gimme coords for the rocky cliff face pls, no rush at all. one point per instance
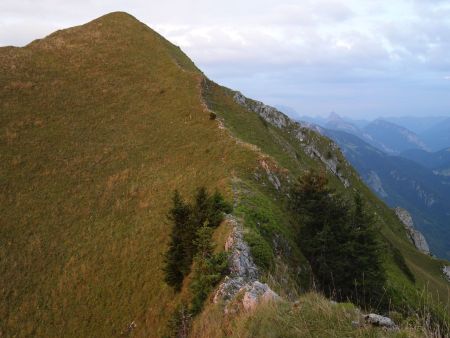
(446, 272)
(416, 236)
(299, 131)
(374, 181)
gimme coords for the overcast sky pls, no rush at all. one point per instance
(359, 58)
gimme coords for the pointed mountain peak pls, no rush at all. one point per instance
(334, 116)
(117, 37)
(117, 16)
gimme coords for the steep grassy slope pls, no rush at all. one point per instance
(288, 150)
(98, 124)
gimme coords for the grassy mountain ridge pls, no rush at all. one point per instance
(98, 124)
(94, 139)
(288, 150)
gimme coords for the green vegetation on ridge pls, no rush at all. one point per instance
(340, 243)
(428, 291)
(188, 222)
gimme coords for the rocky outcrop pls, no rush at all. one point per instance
(446, 272)
(416, 237)
(241, 261)
(271, 175)
(330, 162)
(255, 293)
(377, 320)
(268, 113)
(243, 277)
(374, 181)
(299, 131)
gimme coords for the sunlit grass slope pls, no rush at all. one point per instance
(98, 125)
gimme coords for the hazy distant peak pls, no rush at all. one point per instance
(334, 116)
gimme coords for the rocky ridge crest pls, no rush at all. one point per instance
(244, 274)
(299, 131)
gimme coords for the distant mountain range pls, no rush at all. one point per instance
(382, 134)
(403, 182)
(438, 136)
(409, 169)
(417, 124)
(438, 161)
(393, 135)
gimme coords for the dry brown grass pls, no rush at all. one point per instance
(90, 154)
(311, 315)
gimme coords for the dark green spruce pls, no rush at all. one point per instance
(188, 222)
(339, 240)
(209, 268)
(176, 260)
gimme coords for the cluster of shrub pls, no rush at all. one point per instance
(191, 245)
(340, 241)
(338, 238)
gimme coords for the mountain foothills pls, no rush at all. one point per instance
(438, 161)
(389, 137)
(119, 157)
(438, 136)
(392, 135)
(401, 182)
(394, 162)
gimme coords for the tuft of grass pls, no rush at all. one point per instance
(261, 250)
(311, 315)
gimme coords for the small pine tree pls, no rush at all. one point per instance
(203, 242)
(315, 206)
(370, 278)
(217, 207)
(339, 241)
(208, 268)
(172, 272)
(191, 238)
(175, 262)
(201, 207)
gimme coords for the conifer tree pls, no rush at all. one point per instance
(371, 277)
(172, 258)
(201, 207)
(209, 267)
(176, 264)
(191, 236)
(339, 241)
(217, 207)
